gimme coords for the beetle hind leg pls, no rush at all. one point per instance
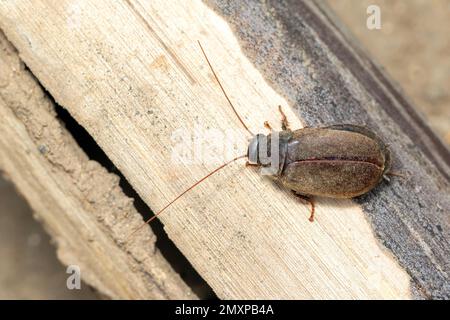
(309, 200)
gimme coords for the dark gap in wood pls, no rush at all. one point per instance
(166, 246)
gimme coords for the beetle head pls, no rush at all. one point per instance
(259, 150)
(269, 152)
(253, 149)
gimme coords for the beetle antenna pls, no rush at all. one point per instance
(223, 90)
(183, 193)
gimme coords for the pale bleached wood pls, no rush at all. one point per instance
(132, 74)
(80, 204)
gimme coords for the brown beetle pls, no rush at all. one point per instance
(338, 161)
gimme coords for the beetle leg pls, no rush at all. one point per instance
(267, 125)
(284, 121)
(394, 174)
(308, 200)
(248, 164)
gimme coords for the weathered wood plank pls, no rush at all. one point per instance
(132, 74)
(306, 55)
(79, 202)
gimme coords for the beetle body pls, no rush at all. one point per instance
(341, 161)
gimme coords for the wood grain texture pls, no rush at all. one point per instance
(310, 59)
(80, 204)
(132, 74)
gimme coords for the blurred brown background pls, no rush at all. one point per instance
(29, 268)
(414, 47)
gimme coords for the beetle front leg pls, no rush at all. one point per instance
(308, 200)
(248, 164)
(284, 121)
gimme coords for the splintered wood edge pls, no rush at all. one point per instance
(245, 236)
(79, 203)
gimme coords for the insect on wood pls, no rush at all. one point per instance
(337, 161)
